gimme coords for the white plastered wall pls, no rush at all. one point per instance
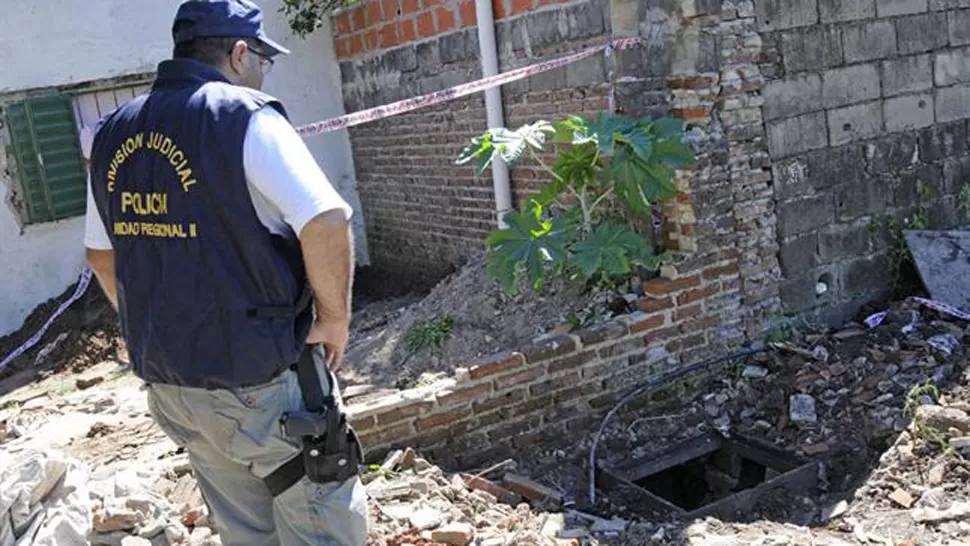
(66, 42)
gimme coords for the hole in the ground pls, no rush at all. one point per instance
(703, 480)
(710, 475)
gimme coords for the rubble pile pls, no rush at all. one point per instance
(414, 502)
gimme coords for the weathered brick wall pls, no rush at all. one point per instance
(866, 98)
(424, 214)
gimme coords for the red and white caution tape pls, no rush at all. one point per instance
(445, 95)
(82, 286)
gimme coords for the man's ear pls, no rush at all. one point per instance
(237, 56)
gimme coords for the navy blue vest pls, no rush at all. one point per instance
(199, 277)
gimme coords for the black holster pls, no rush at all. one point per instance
(331, 447)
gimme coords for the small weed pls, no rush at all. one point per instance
(924, 192)
(781, 329)
(964, 201)
(429, 334)
(917, 392)
(929, 434)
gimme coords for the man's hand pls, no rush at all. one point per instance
(333, 335)
(327, 246)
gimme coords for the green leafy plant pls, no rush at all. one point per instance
(570, 227)
(305, 16)
(428, 334)
(924, 192)
(964, 201)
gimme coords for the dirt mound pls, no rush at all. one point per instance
(86, 333)
(469, 317)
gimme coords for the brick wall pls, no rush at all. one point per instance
(424, 214)
(866, 97)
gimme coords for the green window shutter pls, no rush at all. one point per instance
(49, 162)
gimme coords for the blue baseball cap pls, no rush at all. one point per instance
(228, 18)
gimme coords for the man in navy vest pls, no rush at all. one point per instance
(228, 253)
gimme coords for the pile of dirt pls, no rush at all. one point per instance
(86, 333)
(483, 320)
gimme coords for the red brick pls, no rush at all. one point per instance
(588, 388)
(518, 378)
(529, 489)
(698, 294)
(689, 312)
(426, 25)
(502, 400)
(468, 15)
(690, 82)
(660, 287)
(434, 421)
(514, 428)
(454, 397)
(729, 270)
(551, 348)
(410, 6)
(357, 19)
(406, 31)
(494, 364)
(362, 424)
(647, 323)
(389, 35)
(551, 2)
(522, 6)
(492, 488)
(431, 3)
(602, 333)
(356, 44)
(684, 198)
(391, 9)
(692, 114)
(660, 335)
(652, 305)
(621, 348)
(373, 14)
(551, 385)
(370, 40)
(687, 229)
(343, 23)
(446, 19)
(570, 362)
(404, 412)
(387, 435)
(342, 47)
(498, 9)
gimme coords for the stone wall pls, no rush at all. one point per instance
(866, 98)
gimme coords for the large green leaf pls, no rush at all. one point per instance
(629, 173)
(529, 242)
(667, 128)
(640, 140)
(482, 149)
(577, 166)
(673, 153)
(507, 144)
(610, 249)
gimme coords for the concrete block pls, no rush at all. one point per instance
(891, 8)
(863, 275)
(586, 19)
(891, 153)
(806, 214)
(850, 85)
(869, 41)
(907, 75)
(953, 103)
(853, 123)
(796, 135)
(798, 254)
(939, 5)
(952, 67)
(818, 170)
(908, 112)
(798, 294)
(905, 192)
(782, 14)
(919, 33)
(843, 11)
(854, 201)
(959, 26)
(842, 241)
(591, 71)
(942, 140)
(811, 48)
(793, 96)
(956, 174)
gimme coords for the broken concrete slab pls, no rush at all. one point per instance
(942, 258)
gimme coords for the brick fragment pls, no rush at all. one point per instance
(518, 378)
(434, 421)
(688, 312)
(653, 305)
(529, 489)
(699, 294)
(494, 364)
(647, 323)
(492, 488)
(660, 287)
(452, 397)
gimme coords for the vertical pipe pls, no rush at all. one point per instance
(493, 104)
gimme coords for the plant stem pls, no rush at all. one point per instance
(600, 199)
(545, 167)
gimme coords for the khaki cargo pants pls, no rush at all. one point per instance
(233, 439)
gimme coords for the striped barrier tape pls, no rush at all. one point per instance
(445, 95)
(82, 286)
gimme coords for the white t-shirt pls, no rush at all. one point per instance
(287, 187)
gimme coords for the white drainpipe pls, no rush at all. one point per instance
(493, 103)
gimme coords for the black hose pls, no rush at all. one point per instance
(650, 384)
